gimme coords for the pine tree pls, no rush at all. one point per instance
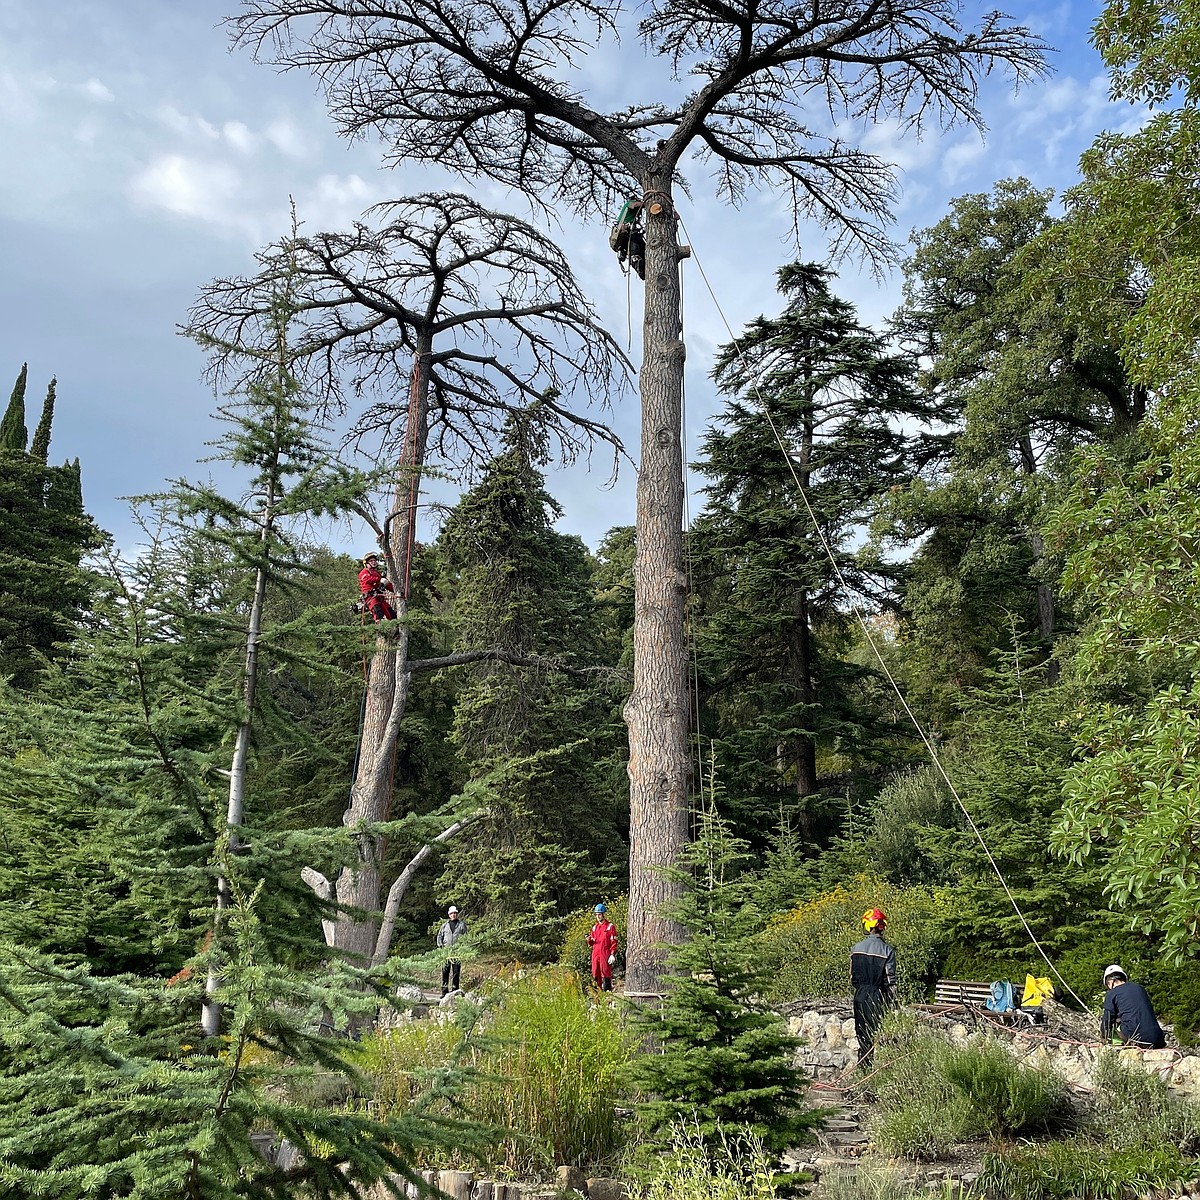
(722, 1061)
(790, 709)
(538, 737)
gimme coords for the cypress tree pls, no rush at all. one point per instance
(44, 536)
(40, 448)
(13, 434)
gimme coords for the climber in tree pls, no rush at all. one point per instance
(376, 590)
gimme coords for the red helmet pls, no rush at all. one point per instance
(873, 918)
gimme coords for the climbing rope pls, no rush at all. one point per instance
(871, 640)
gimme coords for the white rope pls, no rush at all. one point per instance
(858, 613)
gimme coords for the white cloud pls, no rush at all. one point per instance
(960, 157)
(186, 125)
(96, 91)
(334, 201)
(287, 138)
(239, 137)
(188, 187)
(899, 144)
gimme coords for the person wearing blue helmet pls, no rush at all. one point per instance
(603, 940)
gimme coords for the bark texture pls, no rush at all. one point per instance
(657, 712)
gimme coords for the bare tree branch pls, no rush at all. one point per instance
(387, 927)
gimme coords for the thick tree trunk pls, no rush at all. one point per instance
(657, 710)
(355, 933)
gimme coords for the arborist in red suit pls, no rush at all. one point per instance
(603, 940)
(376, 590)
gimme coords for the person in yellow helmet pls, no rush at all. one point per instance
(873, 974)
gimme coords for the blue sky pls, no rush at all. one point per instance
(143, 158)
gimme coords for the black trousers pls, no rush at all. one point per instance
(870, 1005)
(450, 970)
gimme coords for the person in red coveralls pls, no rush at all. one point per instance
(603, 941)
(376, 590)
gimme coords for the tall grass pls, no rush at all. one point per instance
(543, 1067)
(693, 1169)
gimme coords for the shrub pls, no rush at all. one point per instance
(1134, 1109)
(919, 1114)
(692, 1167)
(545, 1078)
(576, 954)
(807, 950)
(880, 1183)
(1078, 1171)
(1006, 1096)
(933, 1095)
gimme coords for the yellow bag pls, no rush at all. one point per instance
(1035, 991)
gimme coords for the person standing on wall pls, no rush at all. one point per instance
(873, 974)
(603, 940)
(452, 929)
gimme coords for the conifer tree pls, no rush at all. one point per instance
(105, 1091)
(44, 536)
(536, 736)
(13, 434)
(782, 693)
(40, 447)
(721, 1060)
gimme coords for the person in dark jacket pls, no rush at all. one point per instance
(873, 974)
(1129, 1013)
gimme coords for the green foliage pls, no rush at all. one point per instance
(1134, 1110)
(537, 736)
(546, 1066)
(1008, 1099)
(1079, 1171)
(896, 843)
(787, 704)
(881, 1183)
(932, 1095)
(576, 954)
(107, 1089)
(722, 1060)
(694, 1166)
(806, 952)
(44, 536)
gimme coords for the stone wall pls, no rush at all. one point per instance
(830, 1048)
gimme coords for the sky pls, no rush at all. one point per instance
(142, 158)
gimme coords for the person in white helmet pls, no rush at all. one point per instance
(452, 929)
(1129, 1013)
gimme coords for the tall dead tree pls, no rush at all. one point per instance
(443, 320)
(497, 88)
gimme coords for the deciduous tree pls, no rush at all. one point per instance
(469, 315)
